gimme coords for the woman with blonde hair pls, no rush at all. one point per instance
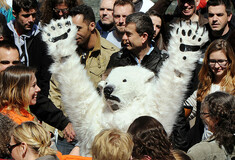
(18, 86)
(112, 144)
(217, 74)
(31, 141)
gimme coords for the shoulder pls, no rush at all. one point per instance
(205, 150)
(106, 45)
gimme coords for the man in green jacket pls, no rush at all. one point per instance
(94, 53)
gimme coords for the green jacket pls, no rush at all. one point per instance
(209, 150)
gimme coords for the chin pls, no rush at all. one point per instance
(33, 102)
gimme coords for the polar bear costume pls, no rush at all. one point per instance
(128, 92)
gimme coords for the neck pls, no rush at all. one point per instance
(222, 32)
(106, 27)
(142, 52)
(118, 34)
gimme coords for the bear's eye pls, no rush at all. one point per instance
(106, 83)
(124, 80)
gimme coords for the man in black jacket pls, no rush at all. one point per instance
(27, 37)
(138, 49)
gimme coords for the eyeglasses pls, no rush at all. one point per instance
(65, 10)
(202, 114)
(11, 147)
(221, 62)
(8, 62)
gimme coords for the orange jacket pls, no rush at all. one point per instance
(16, 117)
(71, 157)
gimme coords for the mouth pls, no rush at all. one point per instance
(112, 98)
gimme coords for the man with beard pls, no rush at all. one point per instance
(105, 24)
(94, 52)
(121, 9)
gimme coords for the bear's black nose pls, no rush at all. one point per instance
(107, 91)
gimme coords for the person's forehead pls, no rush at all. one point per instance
(122, 9)
(79, 20)
(217, 9)
(30, 11)
(8, 53)
(130, 27)
(107, 4)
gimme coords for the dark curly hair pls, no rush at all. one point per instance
(150, 139)
(6, 125)
(221, 106)
(48, 5)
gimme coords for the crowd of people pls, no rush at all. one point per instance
(33, 123)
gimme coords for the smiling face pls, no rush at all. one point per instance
(84, 29)
(106, 11)
(218, 19)
(25, 20)
(133, 40)
(33, 91)
(119, 14)
(187, 7)
(219, 70)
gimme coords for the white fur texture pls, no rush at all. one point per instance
(139, 91)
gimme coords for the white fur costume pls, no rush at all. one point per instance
(128, 92)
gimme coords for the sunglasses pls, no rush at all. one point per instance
(65, 10)
(11, 147)
(8, 62)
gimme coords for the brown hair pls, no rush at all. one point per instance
(150, 139)
(14, 86)
(206, 76)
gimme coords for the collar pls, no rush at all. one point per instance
(148, 53)
(33, 32)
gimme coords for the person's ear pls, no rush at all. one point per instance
(230, 17)
(23, 148)
(144, 37)
(92, 26)
(14, 13)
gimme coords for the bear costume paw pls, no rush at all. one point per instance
(190, 37)
(60, 38)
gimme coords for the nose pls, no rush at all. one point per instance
(60, 13)
(124, 37)
(30, 19)
(38, 89)
(121, 20)
(214, 18)
(217, 65)
(105, 11)
(108, 90)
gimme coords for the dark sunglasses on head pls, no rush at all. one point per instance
(11, 147)
(8, 62)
